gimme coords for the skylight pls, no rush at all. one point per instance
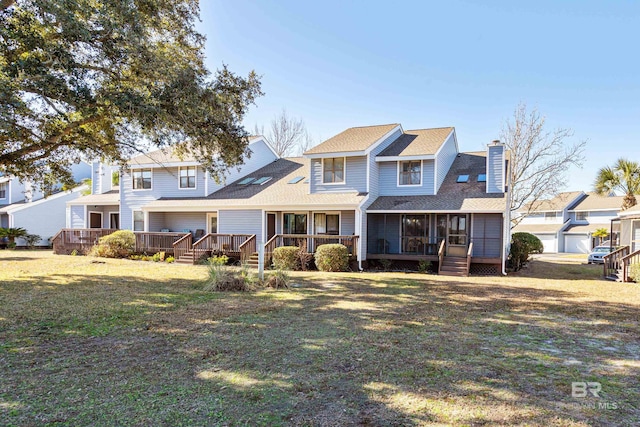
(482, 177)
(296, 180)
(246, 181)
(463, 178)
(261, 181)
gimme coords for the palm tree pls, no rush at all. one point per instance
(623, 176)
(12, 233)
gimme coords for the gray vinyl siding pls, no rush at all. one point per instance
(261, 155)
(179, 221)
(625, 232)
(486, 235)
(17, 190)
(374, 180)
(44, 218)
(240, 222)
(389, 180)
(445, 159)
(355, 173)
(77, 216)
(4, 220)
(101, 177)
(156, 222)
(495, 169)
(348, 222)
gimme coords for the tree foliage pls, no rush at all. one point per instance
(539, 159)
(624, 176)
(93, 79)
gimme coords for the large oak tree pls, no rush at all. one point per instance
(103, 79)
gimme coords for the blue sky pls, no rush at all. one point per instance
(430, 64)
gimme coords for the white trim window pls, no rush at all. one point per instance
(333, 170)
(138, 221)
(141, 179)
(410, 173)
(187, 177)
(582, 216)
(3, 190)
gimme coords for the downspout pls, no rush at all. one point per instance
(507, 217)
(360, 240)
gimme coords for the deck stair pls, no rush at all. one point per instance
(187, 258)
(616, 276)
(454, 266)
(253, 261)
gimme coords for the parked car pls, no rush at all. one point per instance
(595, 257)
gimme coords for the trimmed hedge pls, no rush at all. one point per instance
(523, 245)
(332, 257)
(119, 244)
(286, 258)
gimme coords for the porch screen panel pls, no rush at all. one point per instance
(458, 229)
(635, 236)
(487, 235)
(415, 233)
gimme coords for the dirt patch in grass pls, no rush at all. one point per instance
(134, 343)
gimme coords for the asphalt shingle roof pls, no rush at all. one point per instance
(352, 139)
(417, 142)
(594, 202)
(538, 228)
(470, 196)
(276, 193)
(558, 203)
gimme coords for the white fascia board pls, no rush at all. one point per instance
(335, 154)
(328, 207)
(614, 211)
(46, 199)
(136, 166)
(405, 158)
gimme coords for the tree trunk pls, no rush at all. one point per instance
(629, 201)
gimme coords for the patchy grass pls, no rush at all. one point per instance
(129, 343)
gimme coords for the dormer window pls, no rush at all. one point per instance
(333, 170)
(410, 173)
(188, 177)
(550, 216)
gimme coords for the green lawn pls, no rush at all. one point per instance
(85, 341)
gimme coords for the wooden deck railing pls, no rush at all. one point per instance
(182, 245)
(218, 243)
(310, 242)
(79, 239)
(152, 243)
(469, 254)
(440, 256)
(632, 258)
(613, 261)
(248, 248)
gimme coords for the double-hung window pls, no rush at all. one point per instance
(333, 170)
(410, 173)
(3, 190)
(141, 179)
(188, 177)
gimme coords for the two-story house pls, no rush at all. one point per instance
(392, 194)
(566, 222)
(22, 205)
(157, 175)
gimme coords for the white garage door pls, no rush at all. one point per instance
(549, 242)
(577, 243)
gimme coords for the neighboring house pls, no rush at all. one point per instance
(22, 206)
(150, 177)
(394, 194)
(629, 222)
(567, 222)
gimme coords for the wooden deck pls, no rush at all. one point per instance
(82, 240)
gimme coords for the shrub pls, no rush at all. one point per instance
(225, 278)
(31, 240)
(286, 258)
(119, 244)
(278, 279)
(424, 266)
(157, 257)
(74, 252)
(523, 245)
(219, 260)
(169, 259)
(332, 257)
(634, 272)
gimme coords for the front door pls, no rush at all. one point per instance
(95, 219)
(271, 225)
(457, 235)
(212, 223)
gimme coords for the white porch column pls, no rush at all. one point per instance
(146, 220)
